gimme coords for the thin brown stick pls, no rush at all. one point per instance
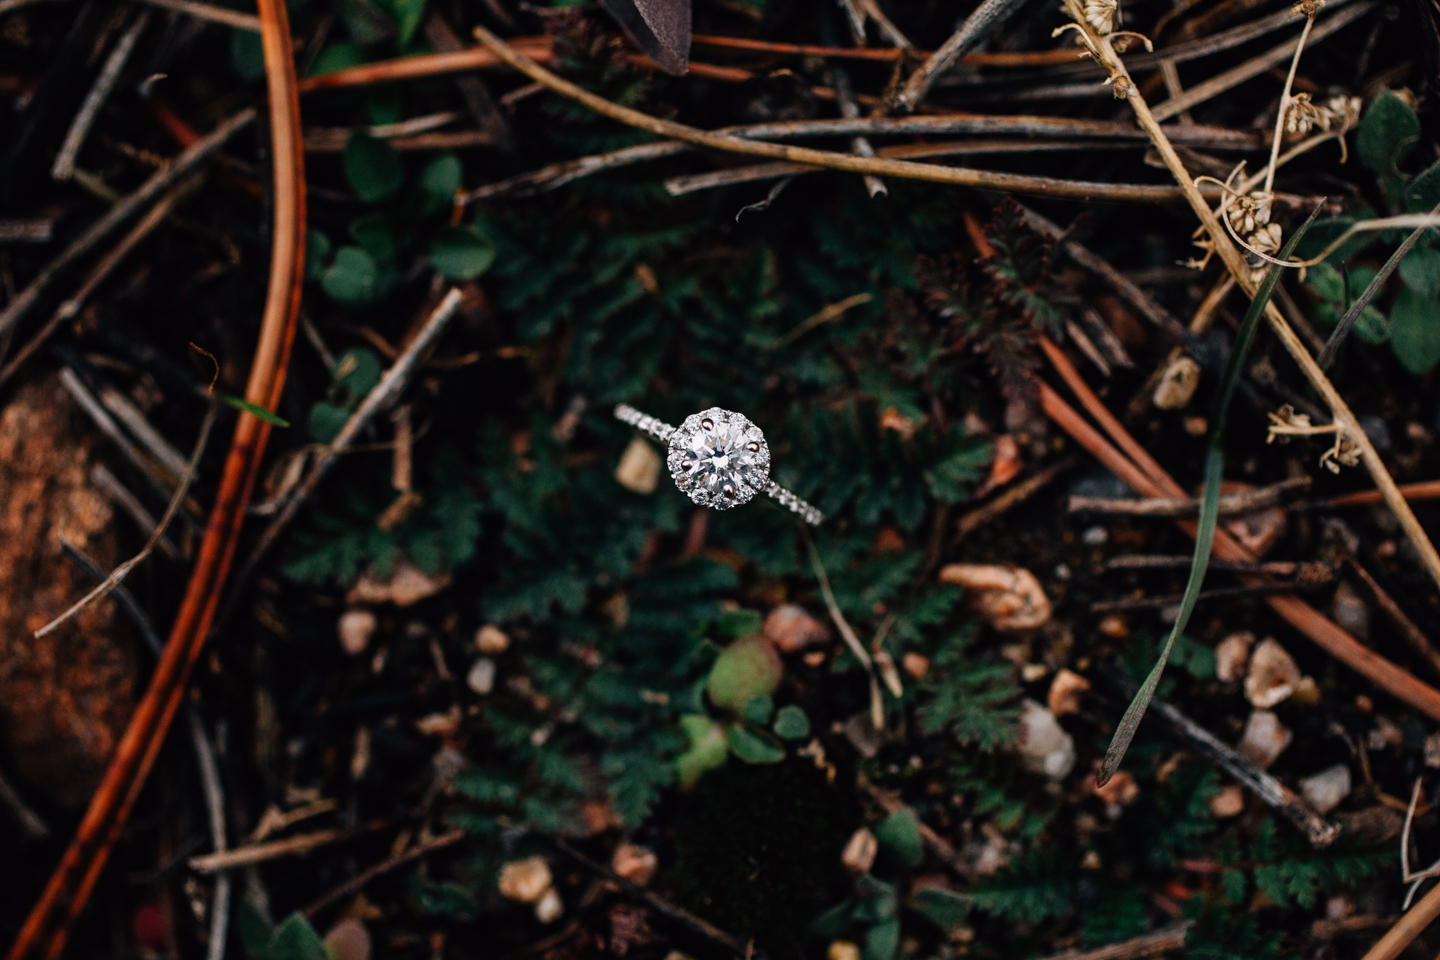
(1136, 948)
(64, 166)
(877, 706)
(1410, 926)
(980, 22)
(1022, 491)
(1027, 58)
(118, 575)
(1257, 65)
(1218, 593)
(30, 823)
(212, 13)
(1279, 568)
(734, 944)
(1410, 633)
(274, 849)
(558, 174)
(1424, 490)
(1234, 262)
(72, 305)
(430, 65)
(121, 496)
(160, 181)
(1247, 502)
(454, 140)
(358, 882)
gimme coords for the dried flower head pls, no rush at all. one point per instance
(1122, 86)
(1301, 116)
(1307, 8)
(1103, 15)
(1340, 114)
(1249, 213)
(1286, 423)
(1346, 452)
(1267, 238)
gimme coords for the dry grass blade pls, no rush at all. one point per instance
(1411, 925)
(986, 17)
(877, 705)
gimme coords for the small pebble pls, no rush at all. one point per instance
(1229, 802)
(491, 640)
(639, 468)
(1307, 692)
(1044, 747)
(1327, 788)
(1031, 672)
(634, 862)
(1196, 426)
(549, 908)
(1177, 384)
(842, 950)
(525, 881)
(355, 628)
(1350, 611)
(1264, 739)
(1065, 690)
(348, 940)
(814, 658)
(1432, 750)
(1062, 571)
(859, 853)
(1114, 626)
(915, 665)
(791, 628)
(481, 677)
(1095, 536)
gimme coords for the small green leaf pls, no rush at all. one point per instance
(317, 251)
(356, 373)
(1423, 193)
(1421, 272)
(1415, 331)
(708, 748)
(295, 939)
(351, 279)
(368, 23)
(899, 836)
(247, 56)
(834, 922)
(746, 669)
(758, 709)
(753, 747)
(1371, 326)
(1388, 132)
(240, 403)
(254, 930)
(337, 56)
(791, 723)
(439, 182)
(326, 421)
(461, 253)
(372, 231)
(1328, 284)
(882, 940)
(372, 167)
(408, 14)
(945, 908)
(738, 623)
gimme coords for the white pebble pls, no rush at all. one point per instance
(1231, 655)
(1095, 536)
(1272, 675)
(481, 677)
(1265, 738)
(549, 908)
(1327, 788)
(1045, 747)
(355, 628)
(1177, 384)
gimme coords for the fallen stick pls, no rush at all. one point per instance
(212, 13)
(1410, 926)
(1218, 593)
(1411, 634)
(120, 212)
(937, 844)
(357, 883)
(1236, 503)
(1019, 493)
(1279, 568)
(275, 849)
(64, 167)
(984, 18)
(1136, 948)
(1275, 794)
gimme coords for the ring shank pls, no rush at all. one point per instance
(663, 432)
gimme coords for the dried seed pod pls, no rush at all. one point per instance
(1103, 15)
(792, 629)
(491, 640)
(549, 908)
(355, 628)
(1301, 116)
(1177, 384)
(634, 862)
(1008, 598)
(1272, 675)
(1231, 656)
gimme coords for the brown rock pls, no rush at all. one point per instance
(792, 629)
(64, 700)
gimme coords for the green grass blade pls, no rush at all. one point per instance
(240, 403)
(1209, 510)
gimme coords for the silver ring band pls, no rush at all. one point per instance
(665, 434)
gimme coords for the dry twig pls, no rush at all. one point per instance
(64, 166)
(1236, 503)
(357, 883)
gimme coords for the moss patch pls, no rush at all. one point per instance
(758, 850)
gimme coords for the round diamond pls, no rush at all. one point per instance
(719, 458)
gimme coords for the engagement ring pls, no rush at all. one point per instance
(718, 459)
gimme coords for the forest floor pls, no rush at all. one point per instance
(340, 616)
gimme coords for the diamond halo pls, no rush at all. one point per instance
(719, 459)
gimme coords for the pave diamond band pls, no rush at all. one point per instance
(718, 459)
